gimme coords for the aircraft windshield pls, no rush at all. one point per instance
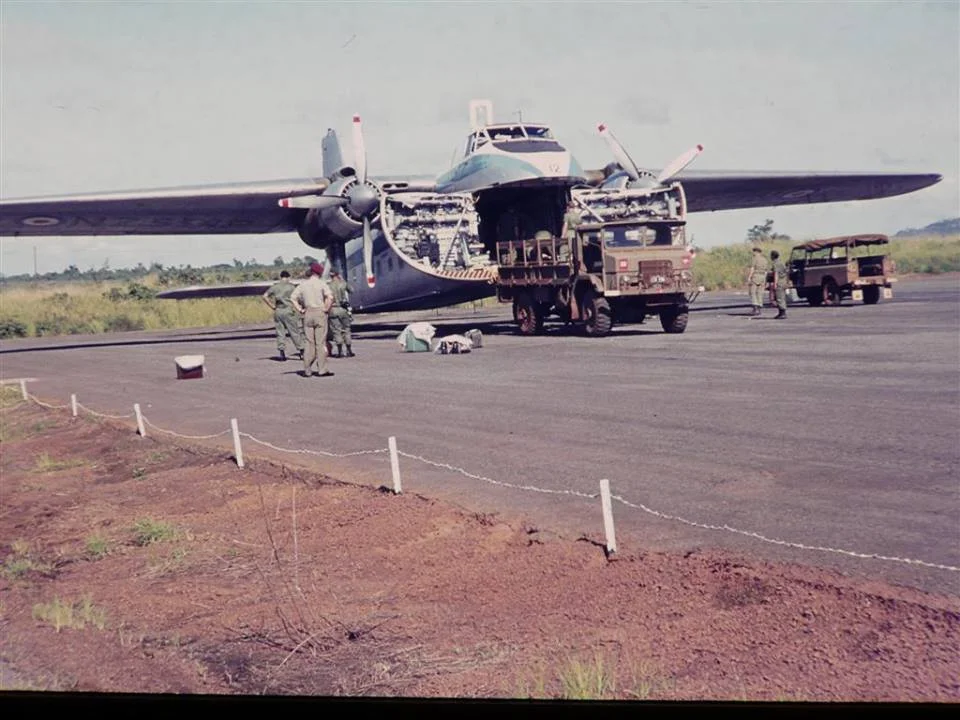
(500, 133)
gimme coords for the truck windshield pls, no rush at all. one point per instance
(637, 236)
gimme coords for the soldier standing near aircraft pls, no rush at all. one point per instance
(313, 300)
(285, 316)
(756, 279)
(779, 284)
(340, 318)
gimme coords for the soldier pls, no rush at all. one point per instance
(571, 218)
(779, 284)
(340, 317)
(285, 316)
(313, 300)
(756, 279)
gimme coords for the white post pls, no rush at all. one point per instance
(23, 388)
(136, 410)
(237, 450)
(608, 516)
(395, 465)
(73, 403)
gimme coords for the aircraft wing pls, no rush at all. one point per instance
(722, 190)
(227, 209)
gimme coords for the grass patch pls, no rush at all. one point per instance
(47, 464)
(96, 547)
(147, 531)
(591, 680)
(74, 615)
(10, 396)
(21, 562)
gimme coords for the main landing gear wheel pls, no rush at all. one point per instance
(597, 319)
(528, 316)
(674, 320)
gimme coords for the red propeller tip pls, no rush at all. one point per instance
(699, 148)
(356, 118)
(601, 127)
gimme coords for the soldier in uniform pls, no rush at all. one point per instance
(779, 284)
(340, 317)
(756, 279)
(313, 300)
(285, 316)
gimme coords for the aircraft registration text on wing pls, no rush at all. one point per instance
(421, 241)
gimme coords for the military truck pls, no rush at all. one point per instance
(615, 271)
(824, 272)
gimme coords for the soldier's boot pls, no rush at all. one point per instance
(350, 352)
(756, 311)
(283, 355)
(339, 350)
(781, 315)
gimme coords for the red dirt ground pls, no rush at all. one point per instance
(281, 581)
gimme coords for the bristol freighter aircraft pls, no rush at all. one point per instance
(421, 242)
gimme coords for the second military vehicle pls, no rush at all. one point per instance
(616, 270)
(826, 271)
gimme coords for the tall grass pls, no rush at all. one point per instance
(91, 308)
(726, 267)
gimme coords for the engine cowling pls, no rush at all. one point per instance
(322, 227)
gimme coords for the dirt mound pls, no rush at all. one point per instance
(141, 565)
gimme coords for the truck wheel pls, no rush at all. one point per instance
(814, 297)
(597, 319)
(871, 295)
(831, 293)
(674, 320)
(528, 316)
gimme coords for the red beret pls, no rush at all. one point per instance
(316, 268)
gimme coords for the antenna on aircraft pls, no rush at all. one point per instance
(481, 113)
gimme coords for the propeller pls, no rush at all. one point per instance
(619, 153)
(679, 164)
(633, 172)
(363, 199)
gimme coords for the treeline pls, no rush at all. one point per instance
(169, 276)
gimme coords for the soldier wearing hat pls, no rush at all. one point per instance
(313, 300)
(756, 279)
(285, 316)
(340, 317)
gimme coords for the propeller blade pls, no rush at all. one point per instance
(308, 202)
(679, 164)
(619, 153)
(359, 150)
(368, 253)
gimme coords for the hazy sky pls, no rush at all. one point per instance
(134, 95)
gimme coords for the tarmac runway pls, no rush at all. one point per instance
(829, 439)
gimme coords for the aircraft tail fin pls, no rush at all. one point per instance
(332, 159)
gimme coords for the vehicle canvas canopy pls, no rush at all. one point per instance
(840, 247)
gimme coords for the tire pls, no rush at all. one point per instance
(814, 297)
(674, 320)
(597, 319)
(528, 316)
(831, 293)
(871, 295)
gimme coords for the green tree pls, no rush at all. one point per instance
(764, 233)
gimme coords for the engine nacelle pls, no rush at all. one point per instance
(322, 227)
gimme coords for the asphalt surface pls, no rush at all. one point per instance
(834, 434)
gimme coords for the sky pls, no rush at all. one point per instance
(101, 96)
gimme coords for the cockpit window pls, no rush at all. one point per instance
(539, 133)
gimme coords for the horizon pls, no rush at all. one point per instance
(83, 84)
